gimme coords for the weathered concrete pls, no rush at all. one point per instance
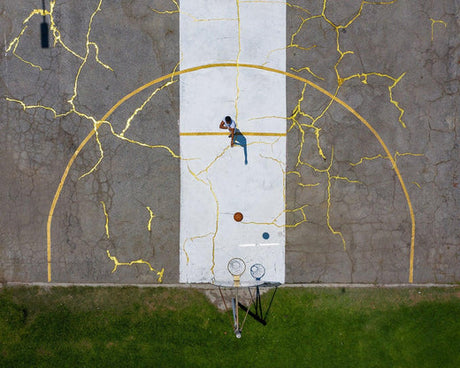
(364, 201)
(373, 215)
(138, 45)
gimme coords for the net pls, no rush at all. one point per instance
(257, 271)
(236, 266)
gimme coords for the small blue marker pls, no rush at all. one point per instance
(265, 236)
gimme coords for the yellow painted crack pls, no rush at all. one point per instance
(308, 185)
(14, 45)
(397, 154)
(308, 69)
(297, 113)
(216, 229)
(329, 198)
(366, 159)
(149, 224)
(195, 19)
(395, 157)
(140, 108)
(106, 220)
(208, 183)
(433, 22)
(38, 106)
(364, 76)
(117, 263)
(300, 209)
(237, 97)
(192, 239)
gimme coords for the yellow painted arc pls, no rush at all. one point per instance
(233, 65)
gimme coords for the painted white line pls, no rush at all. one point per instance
(269, 244)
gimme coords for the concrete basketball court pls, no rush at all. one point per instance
(345, 165)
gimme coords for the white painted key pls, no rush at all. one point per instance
(218, 180)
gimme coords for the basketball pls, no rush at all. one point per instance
(238, 216)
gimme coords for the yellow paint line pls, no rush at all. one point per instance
(233, 65)
(225, 134)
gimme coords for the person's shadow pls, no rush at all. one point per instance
(240, 140)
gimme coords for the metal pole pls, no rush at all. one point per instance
(271, 301)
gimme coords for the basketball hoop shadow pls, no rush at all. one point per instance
(237, 267)
(240, 140)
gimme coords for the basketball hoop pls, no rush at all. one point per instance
(236, 266)
(257, 271)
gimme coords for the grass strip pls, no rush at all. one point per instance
(150, 327)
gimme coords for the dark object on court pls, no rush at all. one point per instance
(44, 30)
(44, 35)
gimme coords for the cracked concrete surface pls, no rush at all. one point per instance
(395, 62)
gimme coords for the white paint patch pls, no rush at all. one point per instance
(218, 180)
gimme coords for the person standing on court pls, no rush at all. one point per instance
(229, 123)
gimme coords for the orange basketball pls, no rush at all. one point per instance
(238, 216)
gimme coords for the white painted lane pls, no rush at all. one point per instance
(218, 180)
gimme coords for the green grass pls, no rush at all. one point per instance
(132, 327)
